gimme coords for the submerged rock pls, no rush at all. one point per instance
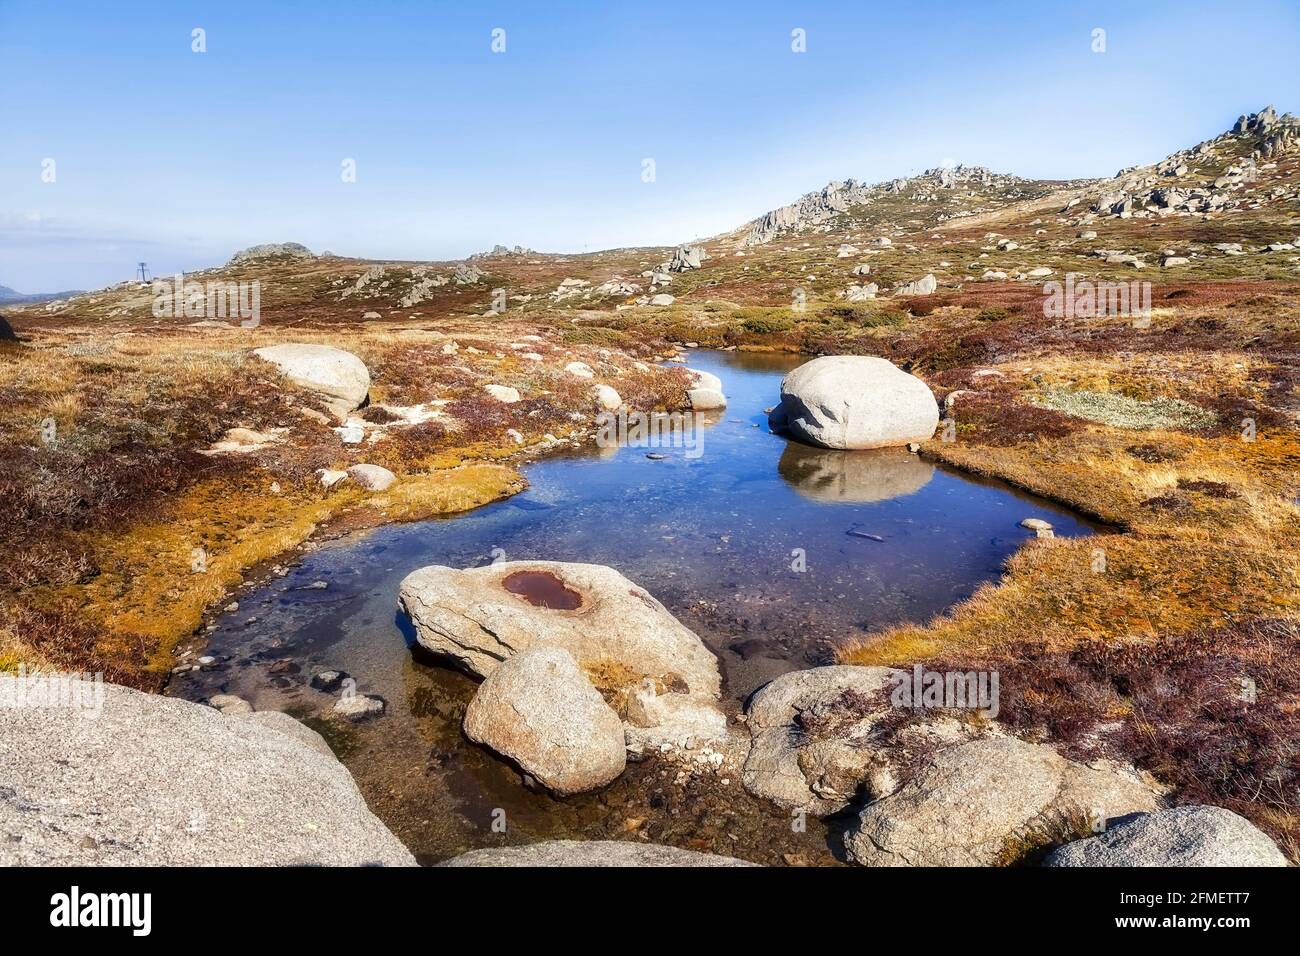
(282, 723)
(1183, 836)
(855, 401)
(538, 709)
(603, 853)
(989, 802)
(230, 704)
(339, 377)
(358, 707)
(156, 781)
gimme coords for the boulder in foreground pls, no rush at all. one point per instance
(1183, 836)
(855, 401)
(797, 769)
(538, 709)
(156, 781)
(990, 802)
(706, 391)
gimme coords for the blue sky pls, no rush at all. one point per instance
(179, 158)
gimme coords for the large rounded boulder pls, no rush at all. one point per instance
(339, 377)
(855, 401)
(539, 709)
(144, 780)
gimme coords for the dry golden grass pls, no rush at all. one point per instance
(1222, 559)
(103, 526)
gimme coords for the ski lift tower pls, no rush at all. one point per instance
(142, 271)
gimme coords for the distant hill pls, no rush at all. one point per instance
(10, 296)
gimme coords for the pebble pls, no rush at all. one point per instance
(328, 680)
(358, 707)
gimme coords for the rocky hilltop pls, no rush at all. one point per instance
(1205, 178)
(978, 186)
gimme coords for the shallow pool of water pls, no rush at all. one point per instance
(771, 551)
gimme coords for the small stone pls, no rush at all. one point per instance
(230, 704)
(358, 707)
(328, 681)
(503, 393)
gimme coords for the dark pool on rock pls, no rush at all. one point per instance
(542, 589)
(771, 551)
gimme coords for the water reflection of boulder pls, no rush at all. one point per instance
(853, 476)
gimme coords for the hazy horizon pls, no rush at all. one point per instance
(179, 158)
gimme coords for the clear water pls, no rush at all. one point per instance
(771, 551)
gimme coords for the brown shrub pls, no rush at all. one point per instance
(1213, 712)
(65, 641)
(998, 418)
